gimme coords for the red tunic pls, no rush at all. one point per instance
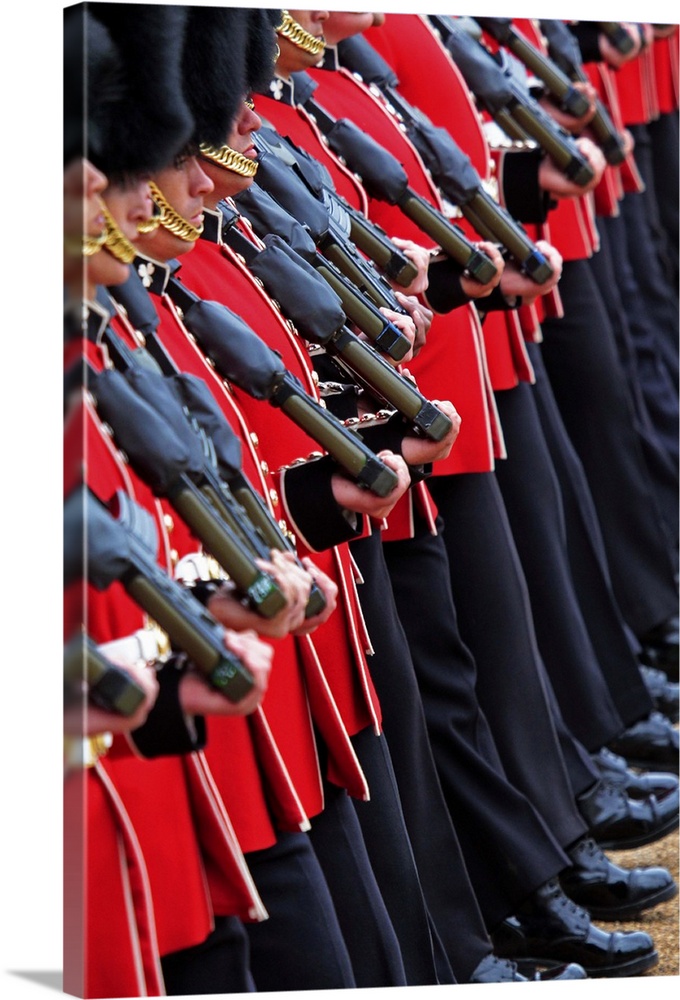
(339, 696)
(139, 836)
(453, 364)
(407, 41)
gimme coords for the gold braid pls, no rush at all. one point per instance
(172, 220)
(92, 244)
(295, 33)
(228, 158)
(116, 242)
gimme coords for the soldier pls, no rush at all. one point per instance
(112, 946)
(293, 124)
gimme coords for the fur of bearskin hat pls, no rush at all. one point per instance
(151, 122)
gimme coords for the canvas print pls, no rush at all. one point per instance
(370, 500)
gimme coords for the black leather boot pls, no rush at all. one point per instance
(651, 744)
(501, 970)
(661, 646)
(549, 929)
(609, 892)
(637, 785)
(664, 693)
(617, 821)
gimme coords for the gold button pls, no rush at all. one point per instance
(274, 497)
(255, 439)
(174, 556)
(168, 522)
(265, 468)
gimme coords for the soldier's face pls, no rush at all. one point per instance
(129, 204)
(343, 24)
(83, 186)
(226, 182)
(185, 186)
(291, 58)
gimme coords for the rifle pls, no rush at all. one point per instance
(565, 52)
(363, 290)
(243, 359)
(212, 493)
(618, 36)
(506, 100)
(450, 167)
(307, 300)
(167, 455)
(122, 548)
(108, 685)
(502, 30)
(385, 179)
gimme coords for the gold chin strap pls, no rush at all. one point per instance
(115, 241)
(90, 245)
(150, 225)
(295, 33)
(228, 158)
(172, 220)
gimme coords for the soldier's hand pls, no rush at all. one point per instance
(198, 697)
(422, 320)
(552, 179)
(98, 720)
(354, 497)
(294, 584)
(475, 289)
(611, 55)
(664, 30)
(329, 590)
(420, 450)
(515, 283)
(420, 258)
(569, 122)
(406, 325)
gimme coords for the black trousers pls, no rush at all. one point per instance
(508, 850)
(389, 848)
(494, 616)
(651, 388)
(300, 946)
(449, 897)
(664, 138)
(581, 360)
(652, 236)
(533, 501)
(633, 319)
(220, 964)
(614, 643)
(364, 921)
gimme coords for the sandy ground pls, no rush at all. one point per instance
(664, 920)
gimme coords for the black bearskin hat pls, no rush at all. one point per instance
(262, 50)
(228, 51)
(213, 69)
(151, 121)
(92, 64)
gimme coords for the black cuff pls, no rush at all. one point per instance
(167, 729)
(312, 510)
(587, 34)
(444, 292)
(390, 435)
(496, 301)
(336, 388)
(522, 193)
